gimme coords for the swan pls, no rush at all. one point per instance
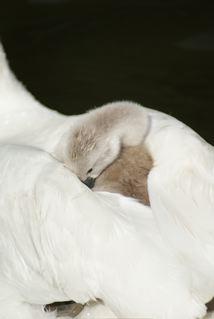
(118, 256)
(178, 153)
(96, 140)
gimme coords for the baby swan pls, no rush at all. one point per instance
(128, 174)
(104, 144)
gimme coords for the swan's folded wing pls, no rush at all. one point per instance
(186, 202)
(51, 227)
(181, 183)
(181, 193)
(37, 240)
(57, 230)
(70, 243)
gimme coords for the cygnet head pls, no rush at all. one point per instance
(96, 140)
(90, 152)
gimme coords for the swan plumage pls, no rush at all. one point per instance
(61, 241)
(57, 190)
(181, 190)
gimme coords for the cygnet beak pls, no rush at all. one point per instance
(89, 182)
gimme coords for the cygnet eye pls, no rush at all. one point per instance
(89, 171)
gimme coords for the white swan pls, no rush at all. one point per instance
(20, 111)
(60, 241)
(98, 136)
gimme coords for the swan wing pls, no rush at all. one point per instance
(181, 190)
(60, 241)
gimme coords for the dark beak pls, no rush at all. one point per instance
(89, 182)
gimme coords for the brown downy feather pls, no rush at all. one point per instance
(128, 174)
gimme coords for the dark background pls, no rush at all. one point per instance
(77, 54)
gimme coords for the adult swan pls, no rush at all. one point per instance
(181, 195)
(61, 241)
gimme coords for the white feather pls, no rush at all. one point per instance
(60, 241)
(181, 189)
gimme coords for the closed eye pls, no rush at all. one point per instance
(89, 171)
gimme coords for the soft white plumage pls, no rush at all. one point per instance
(60, 241)
(181, 189)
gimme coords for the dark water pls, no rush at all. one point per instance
(74, 55)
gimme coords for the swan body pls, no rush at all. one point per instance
(50, 189)
(70, 243)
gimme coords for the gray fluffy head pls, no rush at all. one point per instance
(95, 142)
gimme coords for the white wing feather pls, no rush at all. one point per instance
(60, 241)
(181, 189)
